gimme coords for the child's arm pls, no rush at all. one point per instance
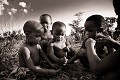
(79, 54)
(110, 42)
(82, 56)
(72, 59)
(45, 57)
(97, 65)
(32, 67)
(52, 56)
(76, 56)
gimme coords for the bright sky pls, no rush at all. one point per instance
(18, 11)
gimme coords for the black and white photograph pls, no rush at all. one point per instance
(59, 39)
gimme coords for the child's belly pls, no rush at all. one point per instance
(59, 52)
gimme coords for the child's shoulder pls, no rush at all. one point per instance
(24, 49)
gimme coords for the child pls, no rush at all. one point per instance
(108, 66)
(46, 22)
(58, 49)
(30, 54)
(95, 32)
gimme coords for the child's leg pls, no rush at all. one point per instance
(112, 76)
(84, 61)
(71, 53)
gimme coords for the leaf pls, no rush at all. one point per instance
(13, 72)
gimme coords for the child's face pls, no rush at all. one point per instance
(59, 33)
(91, 30)
(34, 38)
(45, 22)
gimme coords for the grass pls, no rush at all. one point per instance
(9, 60)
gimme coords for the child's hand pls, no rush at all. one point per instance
(66, 60)
(89, 42)
(55, 66)
(62, 61)
(38, 46)
(53, 71)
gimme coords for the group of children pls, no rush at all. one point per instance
(51, 47)
(44, 44)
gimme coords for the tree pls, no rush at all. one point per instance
(77, 30)
(110, 22)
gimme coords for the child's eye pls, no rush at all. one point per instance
(59, 34)
(62, 34)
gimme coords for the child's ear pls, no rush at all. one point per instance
(26, 33)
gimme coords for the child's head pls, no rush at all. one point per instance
(58, 30)
(33, 31)
(46, 21)
(93, 25)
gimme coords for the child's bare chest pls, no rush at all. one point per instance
(58, 50)
(60, 45)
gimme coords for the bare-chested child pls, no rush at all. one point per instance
(108, 66)
(101, 48)
(30, 53)
(46, 22)
(58, 49)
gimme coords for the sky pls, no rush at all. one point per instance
(14, 13)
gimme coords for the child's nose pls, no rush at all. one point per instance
(45, 25)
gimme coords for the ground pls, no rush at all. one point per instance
(9, 62)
